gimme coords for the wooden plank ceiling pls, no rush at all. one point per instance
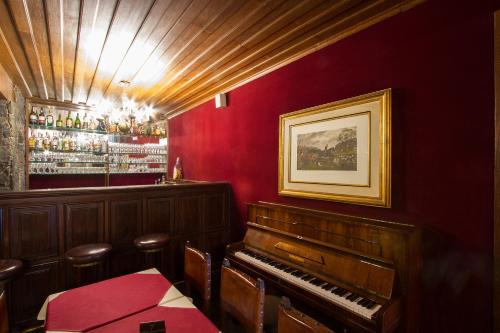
(176, 53)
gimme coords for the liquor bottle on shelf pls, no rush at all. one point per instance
(39, 142)
(97, 145)
(33, 117)
(50, 119)
(41, 117)
(78, 144)
(92, 124)
(66, 143)
(85, 124)
(69, 120)
(78, 123)
(46, 142)
(72, 143)
(59, 122)
(54, 144)
(32, 141)
(60, 143)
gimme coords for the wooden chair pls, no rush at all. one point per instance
(197, 275)
(241, 298)
(9, 268)
(291, 320)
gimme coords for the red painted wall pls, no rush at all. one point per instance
(438, 59)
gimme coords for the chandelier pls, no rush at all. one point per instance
(125, 112)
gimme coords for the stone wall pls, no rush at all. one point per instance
(12, 143)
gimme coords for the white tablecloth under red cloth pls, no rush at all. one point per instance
(122, 302)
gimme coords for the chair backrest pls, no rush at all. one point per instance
(242, 297)
(291, 320)
(197, 272)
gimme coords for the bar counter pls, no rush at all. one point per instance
(39, 226)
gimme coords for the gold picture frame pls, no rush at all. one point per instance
(339, 151)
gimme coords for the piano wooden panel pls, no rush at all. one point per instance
(376, 259)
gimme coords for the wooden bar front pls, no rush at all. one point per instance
(39, 226)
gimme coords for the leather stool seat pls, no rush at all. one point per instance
(9, 268)
(88, 254)
(151, 242)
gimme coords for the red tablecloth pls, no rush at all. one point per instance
(99, 304)
(180, 316)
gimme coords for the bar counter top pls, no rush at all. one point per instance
(103, 189)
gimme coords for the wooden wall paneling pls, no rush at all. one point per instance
(214, 207)
(30, 290)
(187, 214)
(125, 222)
(84, 223)
(39, 226)
(33, 232)
(159, 215)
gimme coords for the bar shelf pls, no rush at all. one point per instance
(67, 129)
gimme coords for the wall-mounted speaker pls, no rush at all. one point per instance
(220, 101)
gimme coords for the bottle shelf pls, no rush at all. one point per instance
(66, 129)
(121, 172)
(72, 162)
(150, 154)
(68, 152)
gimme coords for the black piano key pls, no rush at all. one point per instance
(352, 297)
(361, 301)
(289, 270)
(318, 282)
(371, 305)
(307, 277)
(327, 286)
(339, 291)
(343, 293)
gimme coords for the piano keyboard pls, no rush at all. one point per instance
(335, 294)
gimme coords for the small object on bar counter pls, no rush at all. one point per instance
(152, 327)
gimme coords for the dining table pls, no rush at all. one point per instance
(121, 304)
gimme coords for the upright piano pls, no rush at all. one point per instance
(352, 273)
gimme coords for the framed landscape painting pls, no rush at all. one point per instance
(338, 151)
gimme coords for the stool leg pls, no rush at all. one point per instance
(149, 260)
(78, 276)
(162, 261)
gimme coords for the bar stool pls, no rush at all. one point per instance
(151, 244)
(8, 269)
(87, 255)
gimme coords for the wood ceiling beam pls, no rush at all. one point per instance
(256, 53)
(327, 34)
(128, 21)
(257, 34)
(95, 20)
